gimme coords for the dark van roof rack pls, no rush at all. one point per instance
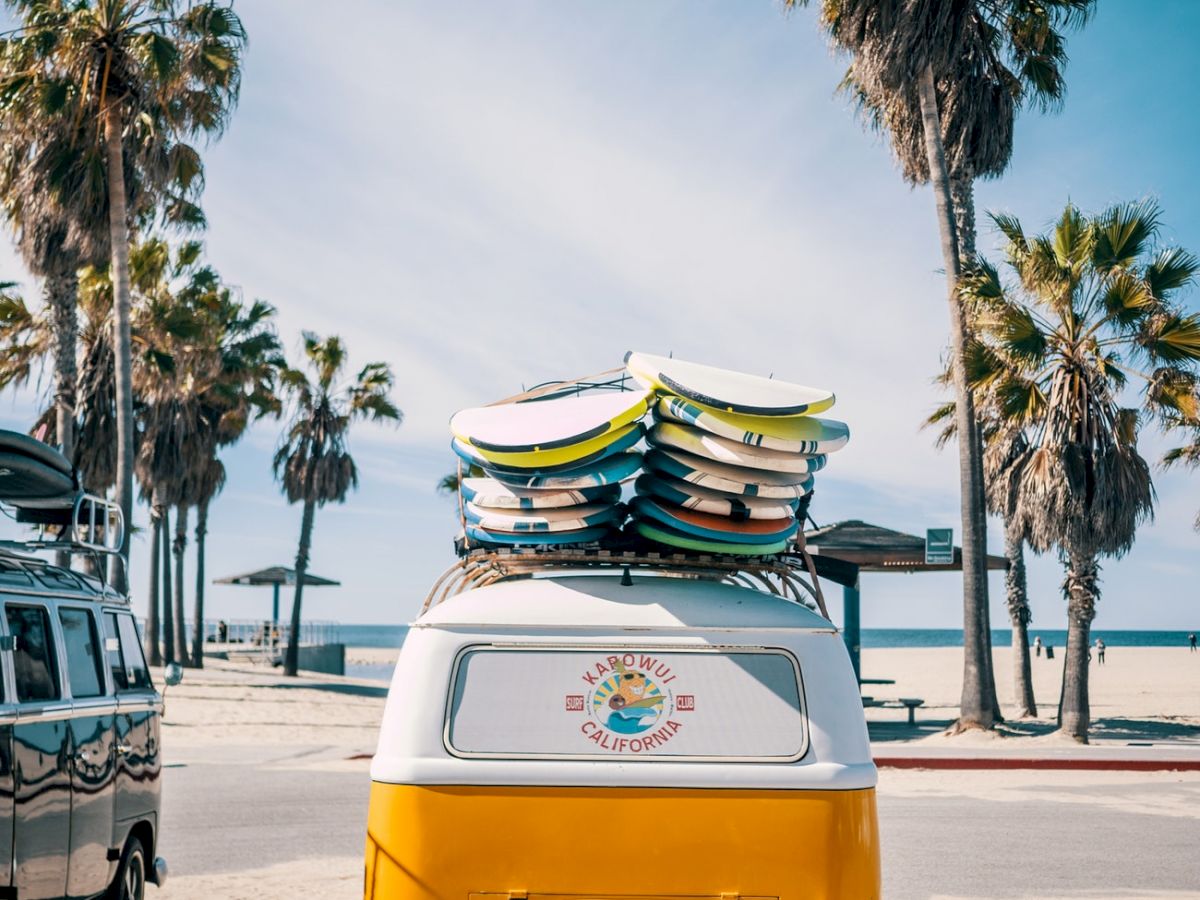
(83, 524)
(80, 523)
(40, 487)
(786, 575)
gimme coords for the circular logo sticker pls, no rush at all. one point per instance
(628, 702)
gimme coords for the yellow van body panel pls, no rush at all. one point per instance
(554, 843)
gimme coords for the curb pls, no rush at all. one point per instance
(994, 763)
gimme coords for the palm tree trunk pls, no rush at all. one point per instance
(976, 707)
(962, 193)
(153, 627)
(168, 610)
(118, 232)
(60, 292)
(1018, 614)
(1082, 591)
(962, 190)
(180, 547)
(292, 662)
(198, 624)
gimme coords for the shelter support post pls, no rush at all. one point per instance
(850, 626)
(274, 604)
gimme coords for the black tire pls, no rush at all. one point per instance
(130, 882)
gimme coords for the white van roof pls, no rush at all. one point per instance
(603, 602)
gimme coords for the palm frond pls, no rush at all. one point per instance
(1171, 270)
(1173, 338)
(1124, 232)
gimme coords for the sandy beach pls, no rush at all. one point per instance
(1139, 694)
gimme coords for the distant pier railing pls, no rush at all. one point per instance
(260, 632)
(259, 642)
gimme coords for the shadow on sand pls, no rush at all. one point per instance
(354, 690)
(1103, 729)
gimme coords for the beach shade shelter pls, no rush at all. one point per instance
(844, 550)
(276, 576)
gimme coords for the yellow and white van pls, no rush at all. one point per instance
(592, 736)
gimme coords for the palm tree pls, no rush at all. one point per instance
(209, 482)
(313, 463)
(55, 233)
(977, 103)
(243, 350)
(1016, 593)
(143, 76)
(902, 50)
(1092, 307)
(167, 333)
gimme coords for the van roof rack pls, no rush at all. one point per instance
(75, 523)
(787, 575)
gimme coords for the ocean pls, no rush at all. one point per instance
(393, 636)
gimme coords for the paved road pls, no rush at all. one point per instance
(228, 818)
(1077, 841)
(1044, 834)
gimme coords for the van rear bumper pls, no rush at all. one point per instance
(428, 841)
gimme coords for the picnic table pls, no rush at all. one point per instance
(909, 703)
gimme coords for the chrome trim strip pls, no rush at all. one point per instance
(137, 704)
(95, 706)
(34, 714)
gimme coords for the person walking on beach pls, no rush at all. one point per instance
(1100, 650)
(1192, 642)
(1037, 645)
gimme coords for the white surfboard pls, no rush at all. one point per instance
(569, 518)
(545, 425)
(492, 494)
(701, 443)
(724, 389)
(730, 479)
(702, 499)
(791, 434)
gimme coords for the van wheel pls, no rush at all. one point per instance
(130, 883)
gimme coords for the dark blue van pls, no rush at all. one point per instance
(80, 765)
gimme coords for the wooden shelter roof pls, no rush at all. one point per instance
(875, 549)
(277, 575)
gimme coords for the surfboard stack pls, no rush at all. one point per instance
(33, 474)
(552, 468)
(731, 457)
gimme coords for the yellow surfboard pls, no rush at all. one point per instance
(557, 456)
(539, 425)
(788, 434)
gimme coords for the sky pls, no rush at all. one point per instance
(487, 196)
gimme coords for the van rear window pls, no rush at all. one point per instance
(626, 703)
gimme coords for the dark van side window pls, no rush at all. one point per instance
(112, 652)
(84, 670)
(137, 675)
(33, 655)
